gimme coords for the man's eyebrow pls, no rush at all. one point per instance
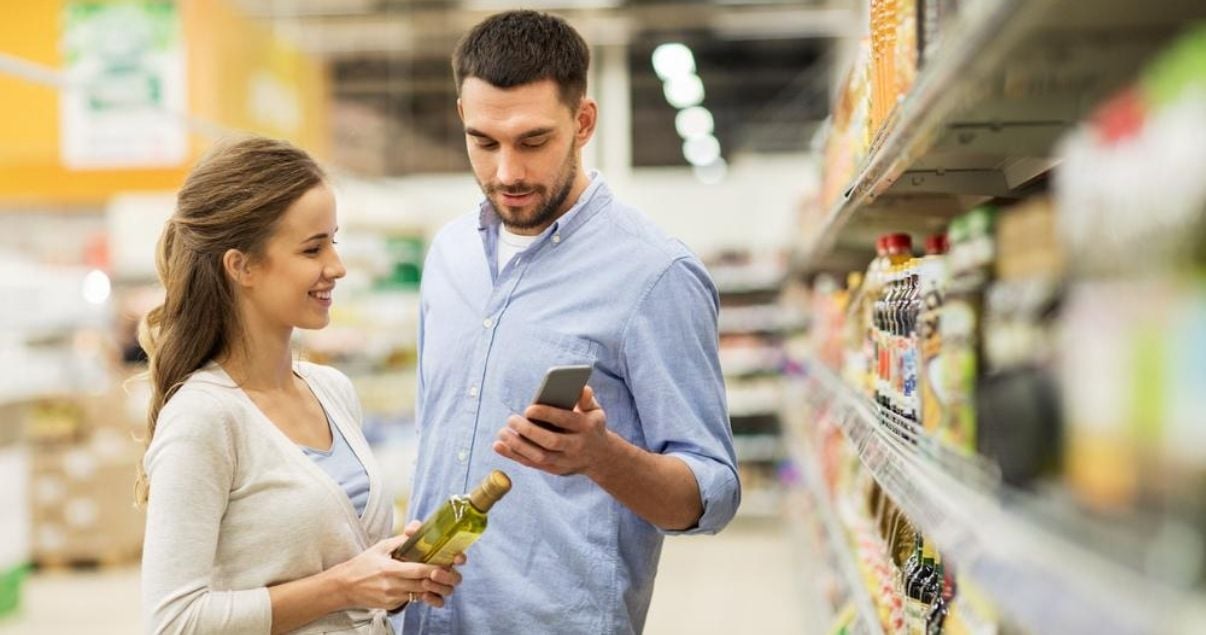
(538, 132)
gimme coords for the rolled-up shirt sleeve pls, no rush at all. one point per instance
(672, 369)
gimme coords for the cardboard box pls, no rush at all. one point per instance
(82, 503)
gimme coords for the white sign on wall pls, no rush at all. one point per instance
(124, 104)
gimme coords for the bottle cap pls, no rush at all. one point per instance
(492, 488)
(899, 243)
(936, 245)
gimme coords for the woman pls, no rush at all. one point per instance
(265, 509)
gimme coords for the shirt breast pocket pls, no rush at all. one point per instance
(533, 354)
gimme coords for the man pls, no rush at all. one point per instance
(552, 270)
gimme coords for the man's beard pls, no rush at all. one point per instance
(545, 213)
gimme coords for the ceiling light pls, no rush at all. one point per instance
(673, 60)
(701, 150)
(693, 122)
(712, 173)
(684, 91)
(96, 287)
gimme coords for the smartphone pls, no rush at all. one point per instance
(561, 388)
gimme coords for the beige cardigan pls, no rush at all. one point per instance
(236, 507)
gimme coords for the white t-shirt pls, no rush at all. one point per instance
(510, 244)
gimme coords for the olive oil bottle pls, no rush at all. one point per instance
(458, 523)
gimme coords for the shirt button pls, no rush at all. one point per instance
(473, 391)
(462, 456)
(556, 238)
(487, 322)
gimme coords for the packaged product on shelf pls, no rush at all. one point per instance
(971, 613)
(933, 290)
(889, 323)
(849, 137)
(923, 586)
(971, 257)
(1132, 210)
(827, 324)
(1131, 178)
(843, 623)
(935, 620)
(886, 18)
(863, 315)
(1132, 371)
(936, 16)
(854, 366)
(907, 55)
(1017, 401)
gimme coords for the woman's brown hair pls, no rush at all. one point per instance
(232, 199)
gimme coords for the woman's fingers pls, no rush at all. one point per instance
(411, 527)
(389, 544)
(433, 600)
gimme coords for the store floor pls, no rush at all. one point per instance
(738, 582)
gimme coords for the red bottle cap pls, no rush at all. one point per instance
(936, 245)
(899, 243)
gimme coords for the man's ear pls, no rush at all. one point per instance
(586, 119)
(237, 266)
(460, 110)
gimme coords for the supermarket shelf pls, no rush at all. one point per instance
(1047, 581)
(868, 621)
(759, 319)
(736, 361)
(747, 279)
(754, 397)
(810, 568)
(983, 117)
(758, 447)
(761, 503)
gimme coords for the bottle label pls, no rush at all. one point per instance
(915, 613)
(455, 545)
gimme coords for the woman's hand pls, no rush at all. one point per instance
(375, 580)
(429, 597)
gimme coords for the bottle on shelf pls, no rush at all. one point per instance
(889, 321)
(971, 259)
(456, 525)
(865, 313)
(933, 271)
(936, 618)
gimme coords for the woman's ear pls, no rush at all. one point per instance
(237, 266)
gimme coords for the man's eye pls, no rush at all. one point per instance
(487, 145)
(313, 251)
(535, 143)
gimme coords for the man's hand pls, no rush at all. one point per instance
(583, 445)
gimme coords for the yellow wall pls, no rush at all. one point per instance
(224, 51)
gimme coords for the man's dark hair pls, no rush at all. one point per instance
(520, 47)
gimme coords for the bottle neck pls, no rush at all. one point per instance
(481, 501)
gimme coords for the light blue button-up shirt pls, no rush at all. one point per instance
(601, 286)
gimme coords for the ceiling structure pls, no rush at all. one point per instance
(766, 67)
